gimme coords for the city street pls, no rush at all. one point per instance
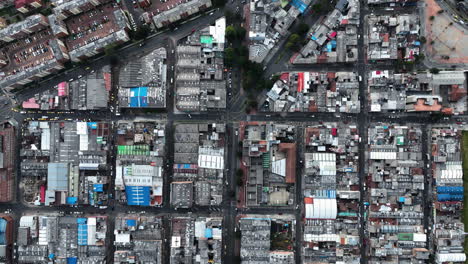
(232, 116)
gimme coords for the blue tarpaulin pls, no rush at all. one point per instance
(450, 189)
(82, 234)
(301, 6)
(81, 220)
(72, 260)
(51, 256)
(72, 200)
(92, 125)
(448, 197)
(139, 97)
(402, 199)
(209, 233)
(131, 222)
(3, 225)
(98, 187)
(138, 195)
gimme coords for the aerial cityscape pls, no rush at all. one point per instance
(233, 131)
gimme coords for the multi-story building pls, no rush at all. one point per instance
(200, 83)
(330, 185)
(269, 155)
(140, 162)
(199, 163)
(65, 162)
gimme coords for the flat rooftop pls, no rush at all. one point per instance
(28, 52)
(92, 25)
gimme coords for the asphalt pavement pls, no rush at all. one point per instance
(232, 117)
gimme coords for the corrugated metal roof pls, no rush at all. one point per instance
(57, 177)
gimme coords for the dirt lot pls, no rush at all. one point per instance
(444, 38)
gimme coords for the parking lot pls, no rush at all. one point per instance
(28, 52)
(90, 26)
(159, 6)
(449, 38)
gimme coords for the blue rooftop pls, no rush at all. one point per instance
(72, 200)
(301, 6)
(139, 97)
(209, 233)
(131, 222)
(138, 195)
(72, 260)
(3, 225)
(98, 187)
(82, 234)
(92, 125)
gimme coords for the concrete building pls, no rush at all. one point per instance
(65, 162)
(330, 185)
(6, 3)
(22, 60)
(180, 12)
(6, 238)
(39, 46)
(90, 92)
(334, 39)
(314, 92)
(392, 37)
(63, 239)
(143, 82)
(138, 239)
(199, 162)
(269, 163)
(268, 22)
(7, 161)
(261, 236)
(196, 239)
(448, 192)
(396, 184)
(26, 6)
(200, 81)
(140, 162)
(444, 92)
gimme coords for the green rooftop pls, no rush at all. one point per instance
(400, 140)
(141, 150)
(206, 39)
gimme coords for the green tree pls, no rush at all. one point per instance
(46, 11)
(239, 181)
(434, 70)
(240, 33)
(431, 18)
(294, 42)
(235, 33)
(423, 40)
(109, 49)
(419, 58)
(219, 3)
(141, 33)
(229, 57)
(302, 29)
(230, 32)
(317, 8)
